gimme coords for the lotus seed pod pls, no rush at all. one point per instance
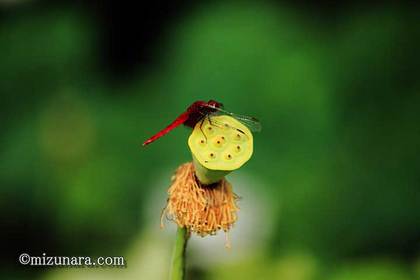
(219, 145)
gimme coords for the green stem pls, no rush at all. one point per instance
(178, 258)
(208, 176)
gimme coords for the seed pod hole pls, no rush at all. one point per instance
(228, 156)
(208, 130)
(218, 141)
(202, 142)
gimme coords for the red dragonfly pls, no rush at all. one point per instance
(200, 110)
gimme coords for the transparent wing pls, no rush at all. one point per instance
(252, 123)
(220, 124)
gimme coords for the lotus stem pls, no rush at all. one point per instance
(178, 257)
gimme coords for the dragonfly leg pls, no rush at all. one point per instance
(201, 129)
(212, 122)
(240, 131)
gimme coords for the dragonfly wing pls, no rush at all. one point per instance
(252, 123)
(220, 124)
(177, 122)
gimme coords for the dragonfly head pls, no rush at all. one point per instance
(215, 104)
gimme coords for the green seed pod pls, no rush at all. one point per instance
(219, 145)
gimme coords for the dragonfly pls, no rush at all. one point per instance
(198, 111)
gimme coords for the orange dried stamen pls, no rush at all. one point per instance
(203, 209)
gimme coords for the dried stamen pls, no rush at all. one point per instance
(203, 209)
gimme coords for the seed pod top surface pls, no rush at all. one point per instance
(221, 143)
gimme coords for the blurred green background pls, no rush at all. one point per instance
(332, 191)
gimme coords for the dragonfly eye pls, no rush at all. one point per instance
(214, 104)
